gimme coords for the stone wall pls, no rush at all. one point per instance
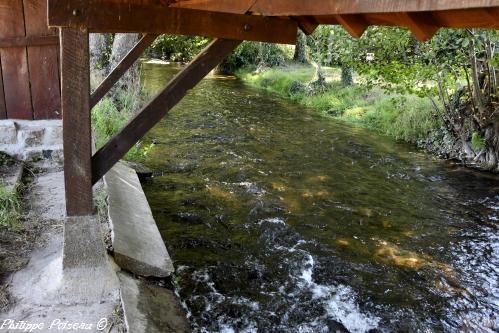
(32, 140)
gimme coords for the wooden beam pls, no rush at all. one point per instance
(152, 113)
(3, 109)
(307, 24)
(151, 17)
(422, 25)
(334, 7)
(24, 41)
(75, 88)
(354, 24)
(120, 69)
(225, 6)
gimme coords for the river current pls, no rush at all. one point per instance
(279, 220)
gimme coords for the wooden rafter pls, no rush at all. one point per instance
(353, 23)
(152, 113)
(334, 7)
(127, 16)
(422, 25)
(120, 69)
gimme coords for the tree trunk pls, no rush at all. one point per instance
(122, 44)
(346, 76)
(98, 55)
(301, 48)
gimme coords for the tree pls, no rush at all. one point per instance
(122, 44)
(300, 54)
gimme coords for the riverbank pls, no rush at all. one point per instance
(403, 117)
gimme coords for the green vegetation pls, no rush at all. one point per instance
(477, 142)
(109, 117)
(10, 207)
(404, 117)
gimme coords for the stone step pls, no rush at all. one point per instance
(149, 308)
(137, 243)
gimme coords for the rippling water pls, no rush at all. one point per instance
(281, 221)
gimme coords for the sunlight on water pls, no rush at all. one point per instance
(280, 221)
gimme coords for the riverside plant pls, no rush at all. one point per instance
(10, 207)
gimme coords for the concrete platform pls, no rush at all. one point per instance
(69, 278)
(137, 243)
(149, 308)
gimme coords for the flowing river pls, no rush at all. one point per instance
(279, 220)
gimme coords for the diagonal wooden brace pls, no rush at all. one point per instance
(151, 114)
(121, 68)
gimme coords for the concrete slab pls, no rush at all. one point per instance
(45, 292)
(137, 243)
(149, 308)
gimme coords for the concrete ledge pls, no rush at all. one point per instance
(32, 139)
(149, 308)
(137, 243)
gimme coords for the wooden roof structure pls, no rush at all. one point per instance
(271, 20)
(227, 21)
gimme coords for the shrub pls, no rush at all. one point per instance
(253, 55)
(477, 142)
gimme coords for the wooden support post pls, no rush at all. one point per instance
(75, 94)
(152, 113)
(121, 68)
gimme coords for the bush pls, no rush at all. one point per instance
(253, 55)
(177, 48)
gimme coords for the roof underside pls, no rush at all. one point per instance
(214, 17)
(422, 17)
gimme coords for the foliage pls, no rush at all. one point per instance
(108, 117)
(477, 142)
(10, 207)
(177, 48)
(253, 55)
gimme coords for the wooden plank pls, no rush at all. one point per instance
(150, 17)
(466, 18)
(121, 68)
(76, 121)
(29, 41)
(3, 109)
(43, 63)
(14, 62)
(152, 113)
(224, 6)
(353, 23)
(333, 7)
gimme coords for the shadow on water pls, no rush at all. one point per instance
(280, 221)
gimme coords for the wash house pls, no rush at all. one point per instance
(228, 22)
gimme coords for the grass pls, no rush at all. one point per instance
(10, 207)
(403, 117)
(109, 116)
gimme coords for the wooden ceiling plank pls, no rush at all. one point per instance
(123, 16)
(336, 7)
(355, 25)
